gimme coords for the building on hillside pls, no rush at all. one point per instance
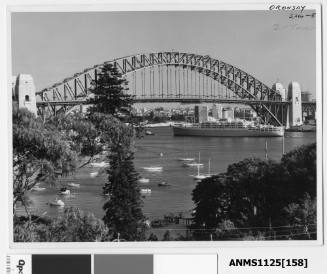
(200, 114)
(278, 87)
(228, 113)
(306, 96)
(217, 111)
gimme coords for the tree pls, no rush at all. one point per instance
(300, 171)
(153, 238)
(44, 150)
(166, 236)
(236, 195)
(39, 153)
(123, 213)
(110, 93)
(109, 96)
(73, 226)
(302, 217)
(258, 193)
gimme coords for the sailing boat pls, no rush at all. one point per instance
(186, 159)
(209, 174)
(202, 176)
(194, 164)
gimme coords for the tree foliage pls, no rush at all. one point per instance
(39, 153)
(110, 93)
(123, 213)
(258, 193)
(73, 226)
(44, 150)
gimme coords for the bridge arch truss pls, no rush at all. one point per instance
(171, 73)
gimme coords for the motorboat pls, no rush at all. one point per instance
(186, 159)
(100, 164)
(145, 190)
(64, 191)
(37, 188)
(163, 184)
(74, 185)
(194, 164)
(153, 168)
(107, 194)
(57, 202)
(94, 174)
(144, 180)
(148, 132)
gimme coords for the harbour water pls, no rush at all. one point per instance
(163, 149)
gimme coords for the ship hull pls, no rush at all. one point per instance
(225, 132)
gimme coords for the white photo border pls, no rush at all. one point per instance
(176, 246)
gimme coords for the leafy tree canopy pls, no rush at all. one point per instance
(258, 193)
(43, 150)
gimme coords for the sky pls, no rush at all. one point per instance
(267, 44)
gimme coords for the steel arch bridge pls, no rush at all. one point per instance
(171, 77)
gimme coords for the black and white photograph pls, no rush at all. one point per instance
(165, 125)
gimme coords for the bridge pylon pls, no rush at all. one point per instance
(23, 92)
(294, 97)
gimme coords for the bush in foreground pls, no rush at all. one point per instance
(73, 226)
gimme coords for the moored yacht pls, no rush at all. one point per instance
(153, 168)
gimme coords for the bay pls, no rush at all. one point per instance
(163, 149)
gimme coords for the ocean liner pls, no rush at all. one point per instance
(223, 128)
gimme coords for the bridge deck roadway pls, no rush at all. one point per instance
(175, 100)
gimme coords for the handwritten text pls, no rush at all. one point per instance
(286, 8)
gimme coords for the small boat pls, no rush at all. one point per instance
(202, 176)
(145, 190)
(74, 185)
(161, 154)
(194, 164)
(64, 191)
(163, 184)
(144, 180)
(186, 159)
(148, 132)
(57, 203)
(153, 168)
(37, 188)
(94, 174)
(100, 164)
(199, 176)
